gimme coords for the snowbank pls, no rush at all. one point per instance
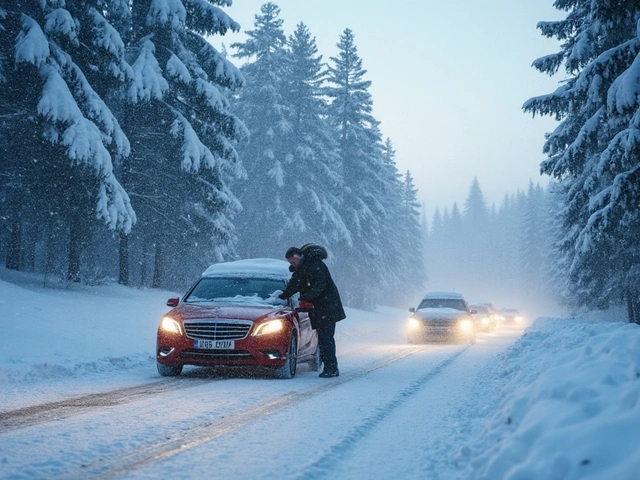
(569, 407)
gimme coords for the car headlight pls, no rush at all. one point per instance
(170, 325)
(465, 325)
(518, 319)
(414, 322)
(485, 321)
(272, 326)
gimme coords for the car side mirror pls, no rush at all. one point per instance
(173, 302)
(412, 310)
(473, 312)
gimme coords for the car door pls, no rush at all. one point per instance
(308, 338)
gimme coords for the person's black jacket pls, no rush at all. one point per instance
(313, 280)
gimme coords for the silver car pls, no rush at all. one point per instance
(442, 316)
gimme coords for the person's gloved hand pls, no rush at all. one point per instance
(304, 306)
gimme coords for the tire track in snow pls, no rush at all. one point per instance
(61, 409)
(119, 465)
(324, 465)
(69, 407)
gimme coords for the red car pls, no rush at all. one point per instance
(232, 316)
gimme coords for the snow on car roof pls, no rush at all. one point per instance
(250, 267)
(443, 295)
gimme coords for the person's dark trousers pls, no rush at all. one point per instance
(328, 347)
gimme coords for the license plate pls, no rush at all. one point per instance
(214, 344)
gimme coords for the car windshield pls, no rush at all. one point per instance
(237, 290)
(479, 308)
(455, 303)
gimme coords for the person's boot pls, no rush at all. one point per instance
(329, 373)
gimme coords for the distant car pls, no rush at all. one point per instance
(511, 316)
(441, 316)
(232, 316)
(491, 308)
(486, 319)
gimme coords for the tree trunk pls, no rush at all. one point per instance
(123, 277)
(30, 239)
(158, 269)
(144, 263)
(75, 248)
(12, 260)
(635, 302)
(633, 307)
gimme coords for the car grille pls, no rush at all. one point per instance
(211, 329)
(439, 323)
(215, 354)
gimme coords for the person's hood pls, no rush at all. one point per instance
(313, 250)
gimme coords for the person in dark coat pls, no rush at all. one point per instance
(312, 279)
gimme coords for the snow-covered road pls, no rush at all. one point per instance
(395, 410)
(80, 398)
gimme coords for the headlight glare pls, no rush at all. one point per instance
(414, 322)
(465, 325)
(272, 326)
(170, 325)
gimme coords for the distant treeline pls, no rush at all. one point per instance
(592, 221)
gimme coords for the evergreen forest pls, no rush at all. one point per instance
(133, 150)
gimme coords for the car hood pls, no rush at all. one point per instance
(441, 314)
(242, 312)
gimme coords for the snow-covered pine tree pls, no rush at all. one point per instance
(494, 236)
(400, 237)
(476, 235)
(183, 136)
(267, 156)
(435, 232)
(434, 246)
(454, 263)
(415, 225)
(506, 245)
(475, 208)
(597, 143)
(559, 256)
(392, 235)
(532, 241)
(311, 172)
(359, 144)
(59, 135)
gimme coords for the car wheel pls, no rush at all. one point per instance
(316, 361)
(169, 370)
(288, 370)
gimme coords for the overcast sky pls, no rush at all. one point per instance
(448, 82)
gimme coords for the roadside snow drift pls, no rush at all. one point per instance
(569, 407)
